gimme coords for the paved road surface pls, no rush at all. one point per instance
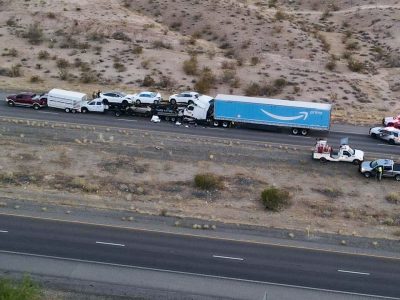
(223, 258)
(358, 135)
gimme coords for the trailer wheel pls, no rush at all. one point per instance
(397, 177)
(356, 162)
(67, 110)
(215, 123)
(367, 174)
(84, 110)
(173, 119)
(295, 131)
(156, 102)
(225, 124)
(117, 113)
(304, 132)
(11, 103)
(73, 111)
(138, 102)
(167, 118)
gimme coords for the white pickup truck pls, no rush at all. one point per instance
(324, 152)
(95, 105)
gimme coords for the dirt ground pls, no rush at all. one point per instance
(149, 172)
(120, 42)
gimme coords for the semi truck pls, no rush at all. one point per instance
(226, 110)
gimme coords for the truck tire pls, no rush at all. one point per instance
(167, 118)
(295, 131)
(138, 102)
(356, 162)
(173, 101)
(367, 174)
(304, 132)
(84, 110)
(36, 106)
(173, 119)
(156, 102)
(125, 103)
(225, 124)
(215, 123)
(323, 160)
(391, 141)
(117, 113)
(11, 103)
(67, 110)
(397, 177)
(373, 135)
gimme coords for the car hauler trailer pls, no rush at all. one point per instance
(300, 116)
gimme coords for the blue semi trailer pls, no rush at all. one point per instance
(299, 116)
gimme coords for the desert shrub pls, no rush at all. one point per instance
(19, 290)
(51, 15)
(43, 54)
(15, 71)
(393, 60)
(120, 67)
(275, 199)
(331, 65)
(121, 36)
(329, 192)
(158, 44)
(325, 44)
(82, 184)
(208, 181)
(176, 25)
(272, 3)
(88, 76)
(205, 82)
(228, 65)
(228, 76)
(11, 22)
(190, 66)
(355, 65)
(352, 45)
(393, 198)
(346, 55)
(254, 60)
(35, 79)
(148, 81)
(253, 89)
(63, 74)
(96, 36)
(280, 83)
(11, 52)
(137, 50)
(166, 82)
(280, 15)
(62, 63)
(34, 34)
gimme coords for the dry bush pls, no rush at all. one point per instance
(352, 45)
(228, 65)
(280, 15)
(121, 36)
(43, 54)
(35, 79)
(254, 60)
(120, 67)
(148, 81)
(208, 181)
(11, 52)
(205, 82)
(329, 192)
(34, 34)
(83, 184)
(393, 198)
(62, 63)
(88, 76)
(275, 199)
(331, 65)
(158, 44)
(356, 65)
(15, 71)
(190, 66)
(393, 60)
(137, 50)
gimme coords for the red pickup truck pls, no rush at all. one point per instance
(27, 99)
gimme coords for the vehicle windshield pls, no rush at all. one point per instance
(153, 95)
(122, 94)
(374, 164)
(351, 151)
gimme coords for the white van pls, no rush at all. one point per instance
(66, 100)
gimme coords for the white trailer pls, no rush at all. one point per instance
(324, 152)
(67, 100)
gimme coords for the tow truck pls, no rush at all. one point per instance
(323, 152)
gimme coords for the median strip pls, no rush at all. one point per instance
(110, 244)
(228, 257)
(353, 272)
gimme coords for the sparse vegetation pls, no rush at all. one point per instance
(35, 79)
(190, 66)
(205, 82)
(25, 289)
(208, 181)
(43, 54)
(34, 34)
(275, 199)
(393, 198)
(355, 65)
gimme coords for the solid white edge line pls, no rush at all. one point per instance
(228, 257)
(354, 272)
(111, 244)
(3, 231)
(197, 274)
(127, 120)
(47, 112)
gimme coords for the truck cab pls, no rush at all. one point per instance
(345, 153)
(199, 110)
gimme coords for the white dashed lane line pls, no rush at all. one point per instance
(3, 231)
(354, 272)
(110, 244)
(228, 257)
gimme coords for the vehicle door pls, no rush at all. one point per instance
(387, 171)
(99, 107)
(92, 106)
(180, 97)
(20, 99)
(346, 156)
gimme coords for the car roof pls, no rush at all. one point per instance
(384, 162)
(391, 129)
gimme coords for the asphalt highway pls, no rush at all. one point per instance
(358, 137)
(207, 256)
